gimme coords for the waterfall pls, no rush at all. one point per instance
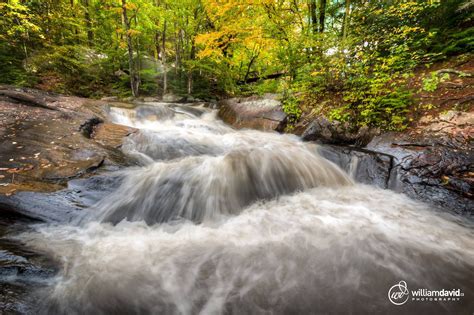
(213, 220)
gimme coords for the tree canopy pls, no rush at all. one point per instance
(361, 50)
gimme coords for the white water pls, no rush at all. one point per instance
(280, 231)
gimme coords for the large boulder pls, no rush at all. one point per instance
(110, 99)
(262, 113)
(325, 131)
(171, 98)
(432, 161)
(364, 166)
(150, 99)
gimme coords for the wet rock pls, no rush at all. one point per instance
(90, 190)
(365, 166)
(41, 149)
(190, 98)
(150, 99)
(153, 112)
(191, 111)
(171, 98)
(109, 98)
(63, 205)
(439, 177)
(334, 132)
(22, 270)
(48, 207)
(112, 135)
(74, 170)
(263, 113)
(211, 104)
(432, 161)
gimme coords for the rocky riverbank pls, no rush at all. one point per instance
(57, 151)
(49, 139)
(432, 161)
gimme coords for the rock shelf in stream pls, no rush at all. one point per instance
(204, 218)
(42, 149)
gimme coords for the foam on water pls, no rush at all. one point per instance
(323, 250)
(251, 223)
(199, 169)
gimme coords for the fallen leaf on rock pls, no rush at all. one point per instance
(445, 179)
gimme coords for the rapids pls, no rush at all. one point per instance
(213, 220)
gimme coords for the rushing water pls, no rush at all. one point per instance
(213, 220)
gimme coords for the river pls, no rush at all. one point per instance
(213, 220)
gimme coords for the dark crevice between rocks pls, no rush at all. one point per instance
(365, 166)
(423, 145)
(390, 171)
(87, 128)
(9, 215)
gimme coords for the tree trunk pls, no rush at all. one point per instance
(190, 71)
(157, 55)
(345, 22)
(265, 77)
(192, 52)
(126, 22)
(249, 66)
(313, 19)
(87, 17)
(177, 45)
(163, 60)
(322, 15)
(73, 10)
(181, 51)
(138, 63)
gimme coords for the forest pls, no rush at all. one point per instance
(236, 157)
(360, 54)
